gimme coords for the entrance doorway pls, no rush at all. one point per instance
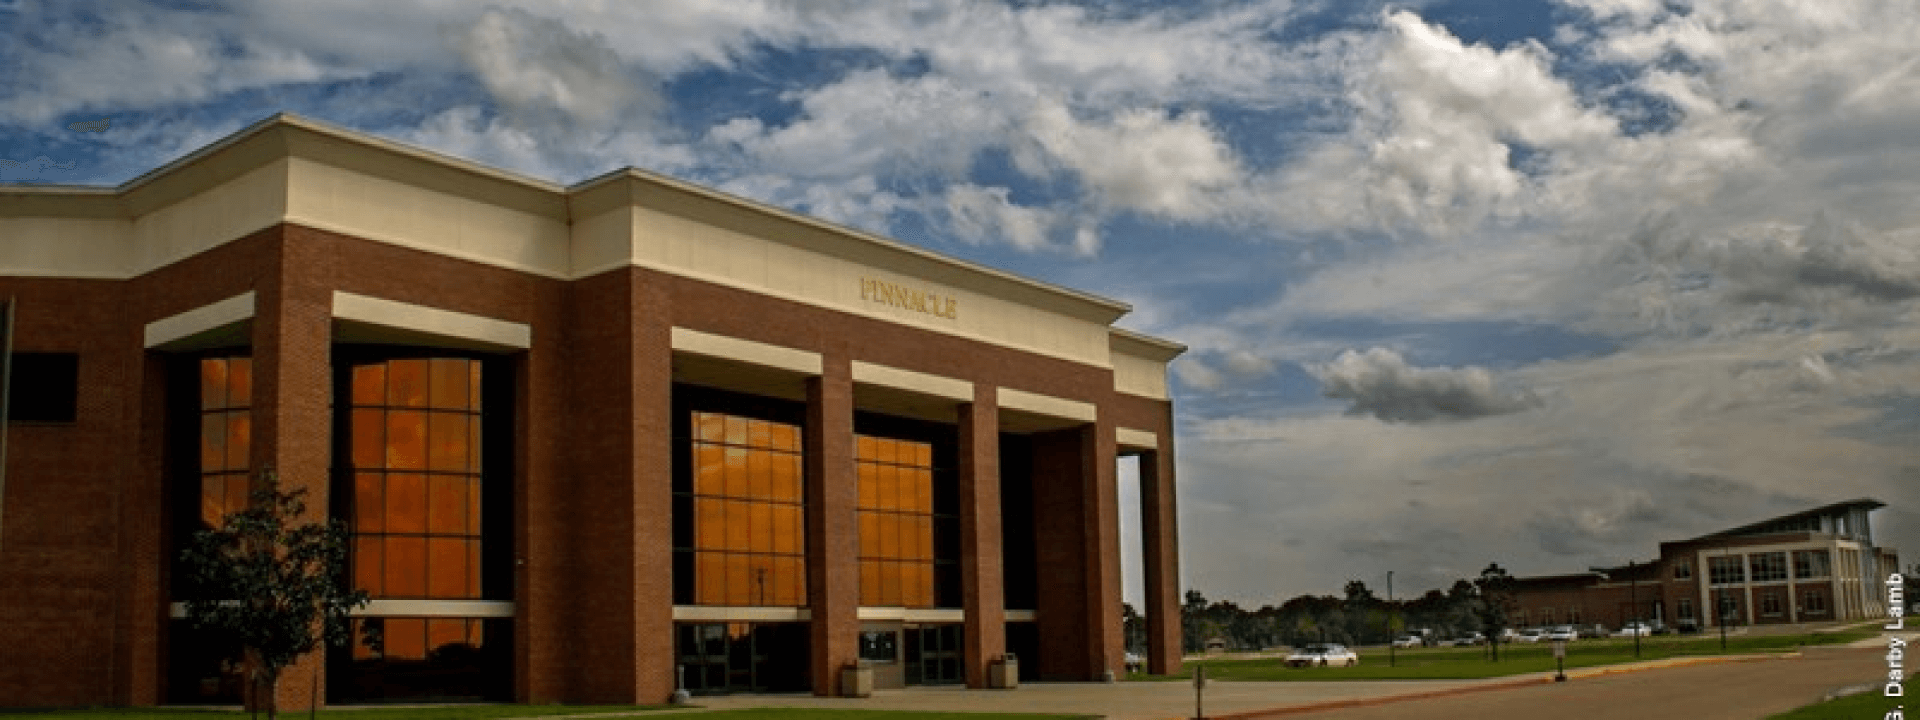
(933, 655)
(720, 658)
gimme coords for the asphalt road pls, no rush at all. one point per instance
(1743, 690)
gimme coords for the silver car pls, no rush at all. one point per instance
(1322, 655)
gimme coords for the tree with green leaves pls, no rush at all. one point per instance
(1494, 604)
(273, 581)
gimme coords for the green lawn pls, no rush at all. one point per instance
(1865, 706)
(1471, 662)
(479, 712)
(832, 713)
(449, 712)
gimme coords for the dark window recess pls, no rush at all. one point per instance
(879, 646)
(43, 387)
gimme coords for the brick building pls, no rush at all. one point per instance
(581, 435)
(1818, 565)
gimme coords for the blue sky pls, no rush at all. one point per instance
(1542, 283)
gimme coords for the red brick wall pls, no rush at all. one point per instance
(85, 544)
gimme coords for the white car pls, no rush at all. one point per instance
(1409, 641)
(1136, 663)
(1322, 655)
(1564, 633)
(1634, 629)
(1469, 639)
(1529, 635)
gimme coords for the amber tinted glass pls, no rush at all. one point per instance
(415, 638)
(226, 424)
(415, 435)
(747, 509)
(895, 506)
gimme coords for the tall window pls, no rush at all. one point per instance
(896, 521)
(1769, 566)
(1812, 564)
(1683, 609)
(226, 424)
(1682, 569)
(748, 512)
(1728, 569)
(1814, 602)
(1770, 603)
(415, 517)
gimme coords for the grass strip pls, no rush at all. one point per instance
(1470, 662)
(417, 712)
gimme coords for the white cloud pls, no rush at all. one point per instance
(1141, 160)
(1435, 130)
(1379, 382)
(541, 72)
(983, 214)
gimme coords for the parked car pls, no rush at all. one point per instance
(1634, 628)
(1564, 633)
(1593, 631)
(1469, 639)
(1322, 655)
(1409, 641)
(1529, 635)
(1136, 662)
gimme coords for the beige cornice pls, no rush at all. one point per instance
(275, 170)
(1141, 345)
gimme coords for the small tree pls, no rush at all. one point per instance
(272, 581)
(1494, 604)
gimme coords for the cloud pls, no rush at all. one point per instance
(1379, 382)
(541, 72)
(1436, 134)
(984, 214)
(1141, 160)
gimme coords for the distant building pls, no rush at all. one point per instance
(1818, 565)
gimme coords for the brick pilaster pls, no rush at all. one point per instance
(833, 567)
(1161, 558)
(292, 388)
(981, 584)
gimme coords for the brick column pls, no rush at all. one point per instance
(1106, 631)
(292, 388)
(1077, 526)
(144, 505)
(981, 585)
(652, 348)
(833, 541)
(1161, 558)
(1060, 545)
(618, 619)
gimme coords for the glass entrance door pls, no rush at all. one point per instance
(718, 657)
(933, 655)
(743, 657)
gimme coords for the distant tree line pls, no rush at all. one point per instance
(1357, 617)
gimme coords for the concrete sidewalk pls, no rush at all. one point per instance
(1175, 700)
(1117, 701)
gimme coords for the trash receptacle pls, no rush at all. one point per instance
(856, 681)
(1004, 672)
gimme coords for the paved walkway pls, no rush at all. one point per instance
(1692, 688)
(1705, 691)
(1116, 701)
